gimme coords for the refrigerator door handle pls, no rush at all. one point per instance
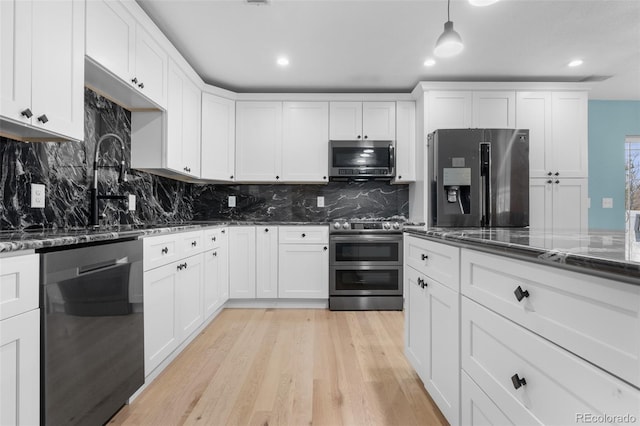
(485, 184)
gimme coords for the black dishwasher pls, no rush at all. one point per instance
(92, 331)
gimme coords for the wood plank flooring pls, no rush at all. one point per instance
(289, 367)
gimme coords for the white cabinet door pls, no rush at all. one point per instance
(477, 409)
(416, 317)
(191, 127)
(210, 282)
(15, 59)
(570, 204)
(117, 51)
(494, 109)
(533, 112)
(442, 365)
(379, 120)
(540, 204)
(19, 284)
(405, 142)
(183, 123)
(189, 295)
(20, 369)
(242, 262)
(304, 271)
(223, 255)
(218, 138)
(266, 262)
(569, 134)
(151, 67)
(449, 110)
(345, 121)
(258, 141)
(305, 141)
(161, 330)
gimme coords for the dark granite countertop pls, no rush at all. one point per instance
(609, 254)
(11, 241)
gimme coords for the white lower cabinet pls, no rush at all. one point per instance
(216, 271)
(242, 262)
(476, 408)
(532, 380)
(415, 320)
(304, 271)
(20, 369)
(189, 295)
(267, 262)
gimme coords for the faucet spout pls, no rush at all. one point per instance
(122, 177)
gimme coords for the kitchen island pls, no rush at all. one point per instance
(515, 326)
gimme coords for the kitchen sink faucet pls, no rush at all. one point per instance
(122, 177)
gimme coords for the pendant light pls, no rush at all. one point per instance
(449, 43)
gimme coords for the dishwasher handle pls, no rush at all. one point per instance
(101, 265)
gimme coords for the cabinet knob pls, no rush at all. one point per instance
(324, 178)
(549, 174)
(26, 113)
(556, 174)
(324, 248)
(557, 181)
(424, 256)
(266, 229)
(520, 293)
(185, 264)
(358, 136)
(304, 235)
(215, 253)
(422, 283)
(165, 250)
(194, 243)
(366, 137)
(213, 238)
(277, 177)
(399, 177)
(141, 85)
(223, 231)
(134, 80)
(517, 381)
(231, 177)
(179, 267)
(549, 181)
(43, 118)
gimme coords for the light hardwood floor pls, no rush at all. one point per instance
(289, 367)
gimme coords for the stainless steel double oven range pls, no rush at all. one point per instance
(365, 265)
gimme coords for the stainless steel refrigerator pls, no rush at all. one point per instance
(479, 177)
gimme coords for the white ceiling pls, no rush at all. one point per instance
(380, 45)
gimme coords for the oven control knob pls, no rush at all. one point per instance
(345, 225)
(336, 225)
(386, 225)
(396, 225)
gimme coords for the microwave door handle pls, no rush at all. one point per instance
(392, 159)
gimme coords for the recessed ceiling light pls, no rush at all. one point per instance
(429, 62)
(482, 2)
(575, 63)
(283, 61)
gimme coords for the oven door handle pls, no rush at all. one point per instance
(362, 237)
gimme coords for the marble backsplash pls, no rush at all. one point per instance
(65, 168)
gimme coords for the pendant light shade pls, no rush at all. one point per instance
(449, 43)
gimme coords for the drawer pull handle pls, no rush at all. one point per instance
(26, 113)
(165, 250)
(223, 231)
(193, 243)
(424, 257)
(304, 235)
(517, 381)
(520, 293)
(422, 283)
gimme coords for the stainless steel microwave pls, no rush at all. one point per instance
(361, 160)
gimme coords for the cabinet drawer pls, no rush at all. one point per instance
(435, 260)
(190, 243)
(303, 234)
(559, 386)
(595, 318)
(214, 237)
(160, 250)
(19, 284)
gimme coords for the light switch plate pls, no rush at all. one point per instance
(607, 203)
(132, 202)
(37, 195)
(320, 201)
(232, 200)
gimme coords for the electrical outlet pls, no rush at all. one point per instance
(320, 201)
(132, 202)
(232, 200)
(607, 203)
(38, 195)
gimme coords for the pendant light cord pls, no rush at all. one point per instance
(448, 8)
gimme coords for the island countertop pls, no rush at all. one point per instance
(609, 254)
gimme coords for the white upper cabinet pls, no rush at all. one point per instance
(405, 142)
(557, 123)
(183, 123)
(449, 110)
(362, 120)
(494, 109)
(305, 141)
(39, 101)
(569, 134)
(218, 138)
(258, 141)
(122, 47)
(558, 205)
